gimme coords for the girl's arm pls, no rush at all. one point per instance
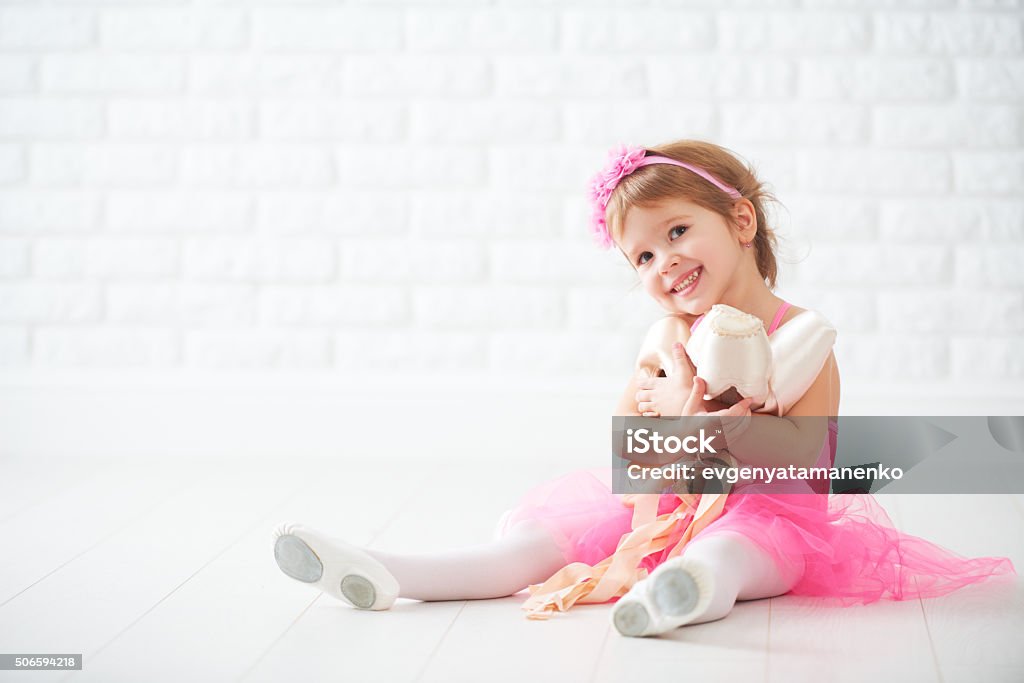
(770, 441)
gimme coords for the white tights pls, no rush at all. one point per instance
(741, 571)
(528, 555)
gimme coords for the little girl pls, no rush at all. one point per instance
(690, 219)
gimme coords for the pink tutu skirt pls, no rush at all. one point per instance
(850, 549)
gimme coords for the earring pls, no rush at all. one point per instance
(748, 245)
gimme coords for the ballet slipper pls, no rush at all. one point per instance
(677, 592)
(634, 614)
(683, 591)
(730, 349)
(655, 358)
(339, 569)
(799, 351)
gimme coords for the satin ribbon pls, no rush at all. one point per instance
(616, 574)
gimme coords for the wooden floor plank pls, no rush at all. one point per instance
(460, 506)
(102, 594)
(25, 482)
(332, 641)
(733, 647)
(977, 628)
(54, 532)
(969, 524)
(492, 640)
(879, 642)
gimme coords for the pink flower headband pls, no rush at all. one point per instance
(621, 162)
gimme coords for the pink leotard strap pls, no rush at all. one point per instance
(778, 316)
(775, 323)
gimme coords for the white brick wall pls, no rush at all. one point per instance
(400, 186)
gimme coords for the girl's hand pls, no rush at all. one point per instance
(696, 405)
(731, 420)
(666, 395)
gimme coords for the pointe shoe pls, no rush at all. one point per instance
(339, 569)
(730, 349)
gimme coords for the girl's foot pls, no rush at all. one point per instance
(678, 592)
(683, 590)
(634, 614)
(341, 570)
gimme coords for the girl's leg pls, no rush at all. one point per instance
(527, 554)
(373, 579)
(740, 570)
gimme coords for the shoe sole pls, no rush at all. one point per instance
(300, 562)
(631, 619)
(675, 592)
(359, 591)
(297, 560)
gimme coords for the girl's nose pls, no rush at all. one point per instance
(668, 263)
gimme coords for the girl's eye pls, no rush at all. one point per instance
(641, 260)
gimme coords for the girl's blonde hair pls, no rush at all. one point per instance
(650, 184)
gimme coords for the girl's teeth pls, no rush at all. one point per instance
(686, 283)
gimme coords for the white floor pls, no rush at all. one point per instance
(164, 572)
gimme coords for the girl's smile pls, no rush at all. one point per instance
(686, 283)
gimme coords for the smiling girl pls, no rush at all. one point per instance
(689, 217)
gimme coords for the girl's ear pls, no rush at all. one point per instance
(745, 219)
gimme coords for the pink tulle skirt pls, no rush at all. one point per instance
(850, 550)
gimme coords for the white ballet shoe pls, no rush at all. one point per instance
(730, 349)
(634, 614)
(676, 593)
(339, 569)
(682, 590)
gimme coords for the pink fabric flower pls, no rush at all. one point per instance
(622, 161)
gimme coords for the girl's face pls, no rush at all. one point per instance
(687, 257)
